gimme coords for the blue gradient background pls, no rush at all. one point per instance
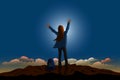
(23, 28)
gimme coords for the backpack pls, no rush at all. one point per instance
(50, 64)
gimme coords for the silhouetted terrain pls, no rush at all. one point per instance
(72, 72)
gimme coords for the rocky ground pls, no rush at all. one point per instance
(72, 72)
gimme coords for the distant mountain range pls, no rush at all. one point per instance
(72, 72)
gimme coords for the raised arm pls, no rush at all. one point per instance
(52, 29)
(68, 25)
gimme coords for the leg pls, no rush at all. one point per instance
(59, 57)
(59, 60)
(65, 56)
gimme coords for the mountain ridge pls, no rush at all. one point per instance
(41, 70)
(72, 72)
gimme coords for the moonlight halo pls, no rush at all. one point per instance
(78, 33)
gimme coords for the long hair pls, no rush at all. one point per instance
(60, 33)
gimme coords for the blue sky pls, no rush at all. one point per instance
(23, 29)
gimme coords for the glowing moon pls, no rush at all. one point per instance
(78, 32)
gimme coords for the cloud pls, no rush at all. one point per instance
(70, 61)
(80, 61)
(24, 61)
(55, 61)
(14, 61)
(88, 61)
(40, 61)
(106, 60)
(21, 62)
(97, 63)
(101, 65)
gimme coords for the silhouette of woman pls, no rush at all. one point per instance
(61, 41)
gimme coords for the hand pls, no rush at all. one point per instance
(69, 20)
(48, 25)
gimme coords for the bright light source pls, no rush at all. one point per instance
(78, 32)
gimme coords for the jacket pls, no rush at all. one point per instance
(63, 42)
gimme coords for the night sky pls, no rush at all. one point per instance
(23, 30)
